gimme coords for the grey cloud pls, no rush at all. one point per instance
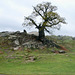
(13, 13)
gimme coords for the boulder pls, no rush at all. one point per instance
(53, 51)
(16, 42)
(4, 34)
(33, 44)
(32, 58)
(16, 48)
(12, 37)
(61, 51)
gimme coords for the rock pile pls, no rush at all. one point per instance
(22, 39)
(18, 40)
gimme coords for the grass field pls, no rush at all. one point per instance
(46, 63)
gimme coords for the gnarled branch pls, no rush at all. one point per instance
(31, 21)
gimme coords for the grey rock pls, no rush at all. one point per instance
(61, 51)
(53, 51)
(16, 48)
(32, 44)
(22, 39)
(4, 34)
(16, 42)
(32, 58)
(12, 37)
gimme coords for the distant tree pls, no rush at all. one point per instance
(48, 18)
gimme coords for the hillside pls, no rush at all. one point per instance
(20, 40)
(22, 53)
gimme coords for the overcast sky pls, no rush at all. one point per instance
(12, 14)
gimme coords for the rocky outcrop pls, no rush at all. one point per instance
(22, 39)
(4, 34)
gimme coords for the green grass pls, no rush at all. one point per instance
(46, 63)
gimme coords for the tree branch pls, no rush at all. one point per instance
(32, 21)
(47, 30)
(52, 24)
(38, 12)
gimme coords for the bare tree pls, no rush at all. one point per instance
(48, 18)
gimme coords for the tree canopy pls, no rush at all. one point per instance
(48, 18)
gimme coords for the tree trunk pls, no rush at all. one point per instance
(41, 33)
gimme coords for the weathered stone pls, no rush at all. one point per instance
(12, 37)
(53, 51)
(32, 58)
(4, 34)
(32, 44)
(61, 51)
(16, 42)
(17, 32)
(16, 48)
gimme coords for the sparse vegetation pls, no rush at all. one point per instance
(38, 61)
(30, 54)
(46, 63)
